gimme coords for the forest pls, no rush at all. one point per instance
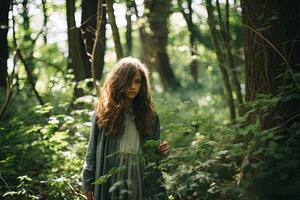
(225, 81)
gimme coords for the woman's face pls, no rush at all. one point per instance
(135, 86)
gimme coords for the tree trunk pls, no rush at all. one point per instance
(221, 59)
(271, 47)
(27, 60)
(114, 28)
(99, 46)
(3, 43)
(147, 48)
(158, 16)
(29, 76)
(225, 34)
(10, 85)
(129, 7)
(26, 56)
(26, 21)
(77, 56)
(28, 43)
(89, 20)
(193, 38)
(45, 21)
(88, 23)
(146, 51)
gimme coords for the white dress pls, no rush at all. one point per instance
(129, 181)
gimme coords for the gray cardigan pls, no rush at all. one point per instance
(97, 163)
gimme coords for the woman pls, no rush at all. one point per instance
(117, 154)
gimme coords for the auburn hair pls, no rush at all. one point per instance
(111, 104)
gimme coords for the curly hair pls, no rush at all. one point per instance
(111, 104)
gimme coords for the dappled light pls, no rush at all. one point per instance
(150, 99)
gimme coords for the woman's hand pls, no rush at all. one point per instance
(89, 195)
(164, 148)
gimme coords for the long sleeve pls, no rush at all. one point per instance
(157, 128)
(88, 172)
(149, 148)
(153, 176)
(157, 131)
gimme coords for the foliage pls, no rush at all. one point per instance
(203, 162)
(22, 189)
(43, 147)
(270, 166)
(224, 161)
(209, 157)
(48, 149)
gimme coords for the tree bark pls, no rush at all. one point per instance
(26, 21)
(99, 45)
(225, 34)
(221, 59)
(77, 56)
(193, 37)
(271, 47)
(29, 42)
(5, 82)
(114, 28)
(147, 48)
(129, 6)
(45, 21)
(157, 14)
(89, 19)
(89, 23)
(146, 51)
(3, 43)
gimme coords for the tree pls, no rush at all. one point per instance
(45, 21)
(271, 47)
(226, 43)
(147, 50)
(28, 44)
(129, 8)
(114, 28)
(188, 16)
(221, 57)
(77, 55)
(89, 22)
(3, 42)
(157, 12)
(99, 46)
